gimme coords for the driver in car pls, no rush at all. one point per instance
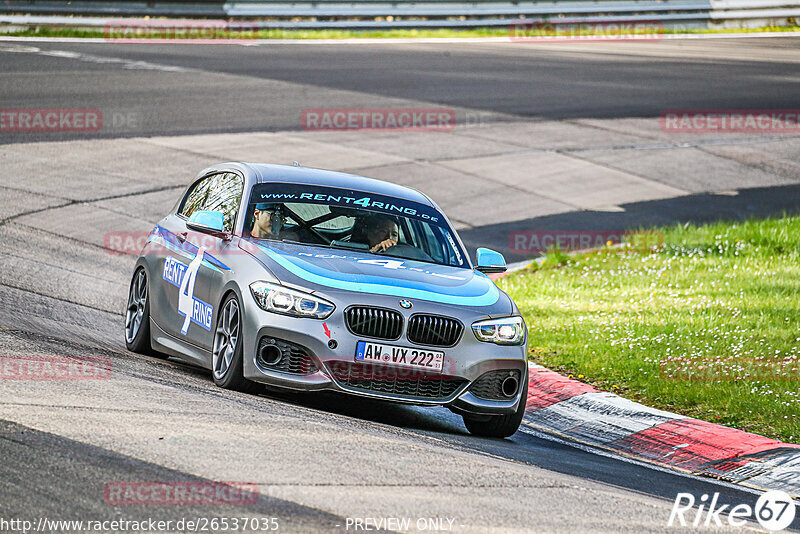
(268, 221)
(382, 232)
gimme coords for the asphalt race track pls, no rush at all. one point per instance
(320, 461)
(193, 89)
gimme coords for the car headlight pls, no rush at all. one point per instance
(278, 299)
(505, 331)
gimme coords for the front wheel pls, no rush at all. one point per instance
(227, 354)
(498, 426)
(137, 314)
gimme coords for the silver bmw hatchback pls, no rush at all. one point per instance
(308, 279)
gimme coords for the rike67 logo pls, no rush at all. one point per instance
(774, 511)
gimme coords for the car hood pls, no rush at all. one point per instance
(319, 268)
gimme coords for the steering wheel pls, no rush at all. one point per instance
(405, 251)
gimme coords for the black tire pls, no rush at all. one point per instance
(229, 374)
(498, 426)
(137, 314)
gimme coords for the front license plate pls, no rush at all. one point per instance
(415, 358)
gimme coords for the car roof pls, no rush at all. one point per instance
(263, 173)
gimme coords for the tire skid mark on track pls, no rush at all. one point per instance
(11, 218)
(124, 362)
(82, 468)
(60, 267)
(28, 191)
(201, 384)
(61, 236)
(118, 212)
(90, 201)
(67, 301)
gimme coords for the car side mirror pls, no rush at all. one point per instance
(490, 261)
(209, 222)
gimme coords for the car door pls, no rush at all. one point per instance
(224, 195)
(176, 255)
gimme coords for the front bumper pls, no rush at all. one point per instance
(465, 362)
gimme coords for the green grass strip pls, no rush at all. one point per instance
(705, 323)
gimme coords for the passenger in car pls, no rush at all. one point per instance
(381, 232)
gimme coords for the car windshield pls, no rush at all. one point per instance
(351, 220)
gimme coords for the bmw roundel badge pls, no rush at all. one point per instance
(405, 304)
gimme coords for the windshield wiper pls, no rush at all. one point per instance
(363, 247)
(293, 242)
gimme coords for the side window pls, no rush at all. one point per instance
(224, 194)
(196, 197)
(219, 192)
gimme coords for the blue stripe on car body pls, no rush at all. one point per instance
(468, 294)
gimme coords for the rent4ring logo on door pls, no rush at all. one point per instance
(184, 277)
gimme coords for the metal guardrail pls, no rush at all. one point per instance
(371, 14)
